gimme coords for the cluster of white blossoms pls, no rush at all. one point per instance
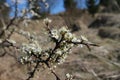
(47, 20)
(1, 41)
(33, 5)
(29, 50)
(65, 34)
(63, 39)
(66, 39)
(69, 76)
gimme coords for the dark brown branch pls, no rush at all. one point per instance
(56, 47)
(31, 74)
(11, 21)
(57, 78)
(4, 53)
(6, 43)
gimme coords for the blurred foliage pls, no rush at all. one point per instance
(92, 7)
(34, 5)
(69, 4)
(110, 5)
(118, 1)
(105, 2)
(4, 12)
(4, 8)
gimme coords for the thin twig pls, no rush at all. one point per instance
(86, 43)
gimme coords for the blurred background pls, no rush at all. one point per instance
(98, 20)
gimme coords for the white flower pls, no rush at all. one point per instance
(54, 66)
(25, 58)
(71, 45)
(1, 41)
(68, 75)
(84, 38)
(81, 45)
(43, 0)
(54, 34)
(60, 61)
(68, 36)
(21, 60)
(65, 55)
(65, 48)
(47, 20)
(24, 11)
(31, 48)
(76, 40)
(59, 52)
(63, 30)
(11, 41)
(46, 5)
(6, 4)
(46, 54)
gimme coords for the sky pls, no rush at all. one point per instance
(56, 7)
